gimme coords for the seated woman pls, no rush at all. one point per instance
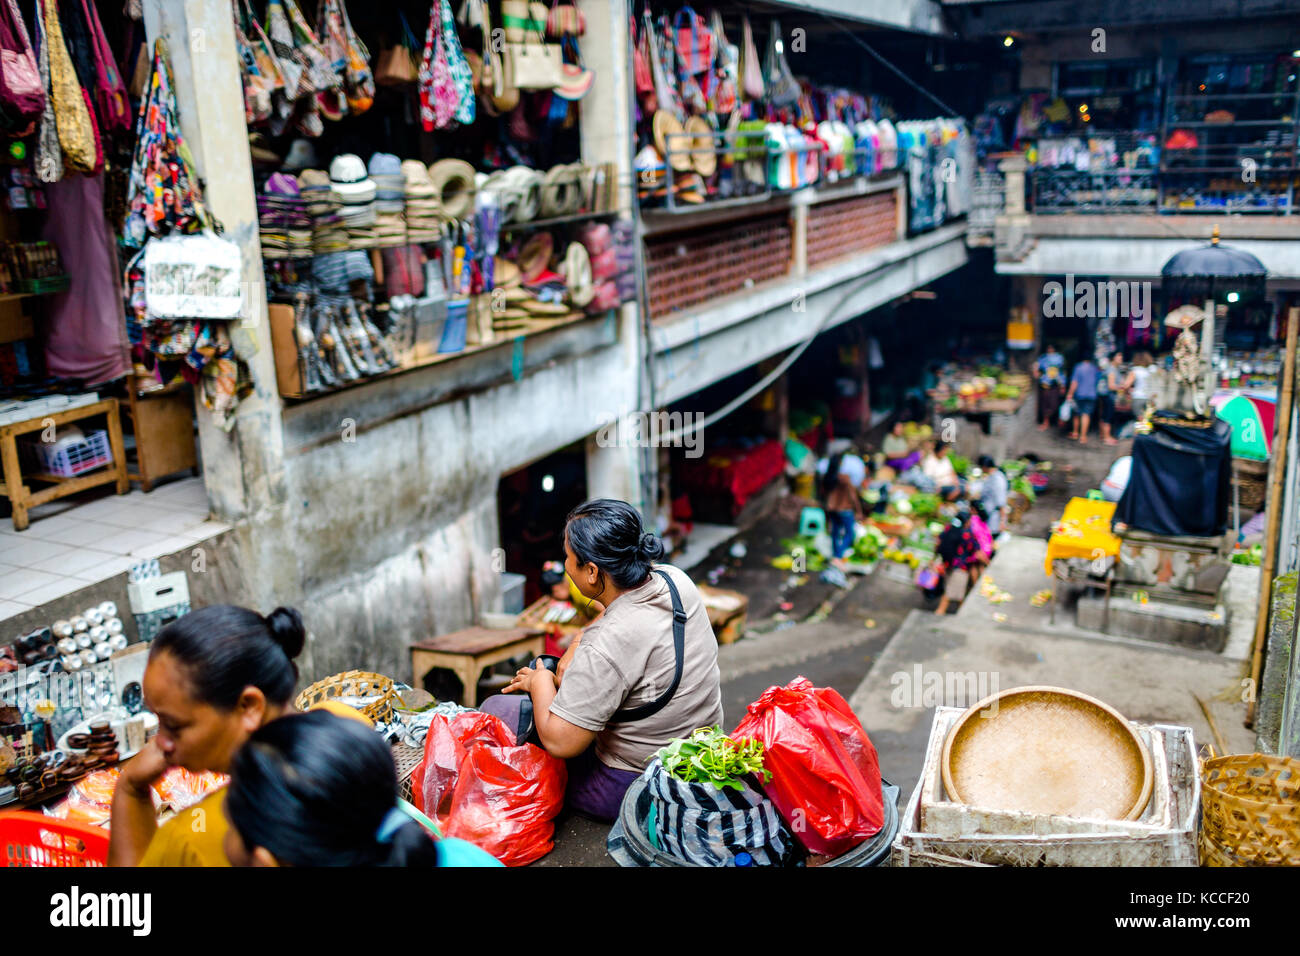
(562, 591)
(898, 451)
(938, 467)
(213, 678)
(643, 674)
(317, 790)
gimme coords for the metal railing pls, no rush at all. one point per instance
(1107, 191)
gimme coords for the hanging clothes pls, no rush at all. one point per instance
(86, 337)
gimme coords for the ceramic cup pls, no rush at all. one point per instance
(62, 628)
(117, 641)
(80, 624)
(83, 639)
(114, 625)
(72, 662)
(98, 634)
(89, 658)
(108, 609)
(104, 651)
(93, 616)
(67, 645)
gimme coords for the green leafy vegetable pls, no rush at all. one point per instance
(924, 504)
(1021, 484)
(710, 756)
(960, 464)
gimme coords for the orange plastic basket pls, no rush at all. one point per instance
(33, 839)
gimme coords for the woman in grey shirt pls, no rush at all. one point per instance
(639, 676)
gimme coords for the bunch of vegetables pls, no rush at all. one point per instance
(1252, 558)
(924, 504)
(869, 546)
(814, 560)
(1021, 484)
(1006, 391)
(710, 756)
(960, 464)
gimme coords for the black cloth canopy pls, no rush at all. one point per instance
(1180, 482)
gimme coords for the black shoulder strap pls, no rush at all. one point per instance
(679, 647)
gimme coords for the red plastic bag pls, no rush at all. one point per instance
(825, 776)
(479, 786)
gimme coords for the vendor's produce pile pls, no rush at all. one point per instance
(91, 798)
(968, 387)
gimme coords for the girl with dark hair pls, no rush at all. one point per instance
(317, 790)
(213, 678)
(644, 673)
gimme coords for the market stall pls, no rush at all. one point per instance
(997, 401)
(476, 224)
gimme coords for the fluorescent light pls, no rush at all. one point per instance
(1233, 296)
(548, 483)
(1006, 40)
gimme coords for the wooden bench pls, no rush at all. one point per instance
(466, 653)
(23, 498)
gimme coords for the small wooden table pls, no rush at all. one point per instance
(468, 652)
(23, 498)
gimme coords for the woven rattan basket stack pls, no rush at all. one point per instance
(1250, 811)
(374, 694)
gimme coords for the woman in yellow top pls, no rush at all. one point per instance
(214, 677)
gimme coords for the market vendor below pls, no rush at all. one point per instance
(622, 693)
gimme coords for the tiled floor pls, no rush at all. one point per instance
(70, 544)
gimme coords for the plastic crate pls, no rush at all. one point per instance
(76, 458)
(35, 840)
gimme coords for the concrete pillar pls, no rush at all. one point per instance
(799, 224)
(1013, 169)
(243, 467)
(607, 131)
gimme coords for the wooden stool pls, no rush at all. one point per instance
(23, 498)
(468, 652)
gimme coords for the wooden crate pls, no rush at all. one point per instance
(1119, 844)
(728, 612)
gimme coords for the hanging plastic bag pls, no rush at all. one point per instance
(782, 88)
(482, 787)
(459, 67)
(825, 775)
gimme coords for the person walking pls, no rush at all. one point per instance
(1049, 373)
(1118, 397)
(1139, 382)
(1083, 392)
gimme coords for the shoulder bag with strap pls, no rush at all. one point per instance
(641, 712)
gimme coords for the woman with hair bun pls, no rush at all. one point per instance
(317, 790)
(642, 674)
(213, 678)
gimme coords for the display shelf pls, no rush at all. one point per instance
(557, 221)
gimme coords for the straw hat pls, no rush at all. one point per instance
(577, 274)
(535, 257)
(505, 273)
(665, 124)
(703, 158)
(538, 307)
(453, 184)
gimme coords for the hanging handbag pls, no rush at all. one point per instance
(534, 64)
(358, 81)
(305, 40)
(521, 18)
(694, 42)
(257, 89)
(751, 71)
(645, 82)
(76, 126)
(723, 97)
(397, 65)
(565, 20)
(22, 93)
(110, 92)
(665, 90)
(782, 88)
(439, 97)
(49, 157)
(461, 74)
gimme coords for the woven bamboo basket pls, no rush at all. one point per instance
(1250, 811)
(354, 684)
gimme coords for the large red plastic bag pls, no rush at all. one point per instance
(481, 787)
(825, 775)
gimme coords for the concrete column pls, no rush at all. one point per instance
(1013, 169)
(607, 131)
(799, 224)
(243, 467)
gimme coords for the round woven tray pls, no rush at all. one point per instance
(354, 684)
(1047, 750)
(1250, 811)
